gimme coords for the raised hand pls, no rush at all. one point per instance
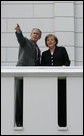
(17, 27)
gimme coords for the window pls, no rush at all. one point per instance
(18, 102)
(62, 115)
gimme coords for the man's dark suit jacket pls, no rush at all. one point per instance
(60, 57)
(26, 56)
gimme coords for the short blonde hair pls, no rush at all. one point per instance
(51, 35)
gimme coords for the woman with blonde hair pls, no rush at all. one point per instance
(54, 56)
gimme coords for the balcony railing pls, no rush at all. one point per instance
(52, 100)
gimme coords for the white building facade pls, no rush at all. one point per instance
(62, 18)
(41, 85)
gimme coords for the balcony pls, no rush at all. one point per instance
(43, 95)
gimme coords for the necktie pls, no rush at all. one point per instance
(35, 52)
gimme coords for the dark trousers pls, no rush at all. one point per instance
(19, 102)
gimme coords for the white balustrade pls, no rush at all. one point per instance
(40, 100)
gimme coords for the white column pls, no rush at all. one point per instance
(75, 105)
(7, 105)
(40, 100)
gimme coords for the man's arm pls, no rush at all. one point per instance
(19, 35)
(43, 59)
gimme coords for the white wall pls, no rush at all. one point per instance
(78, 32)
(56, 17)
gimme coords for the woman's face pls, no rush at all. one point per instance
(51, 42)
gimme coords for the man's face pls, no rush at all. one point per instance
(35, 35)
